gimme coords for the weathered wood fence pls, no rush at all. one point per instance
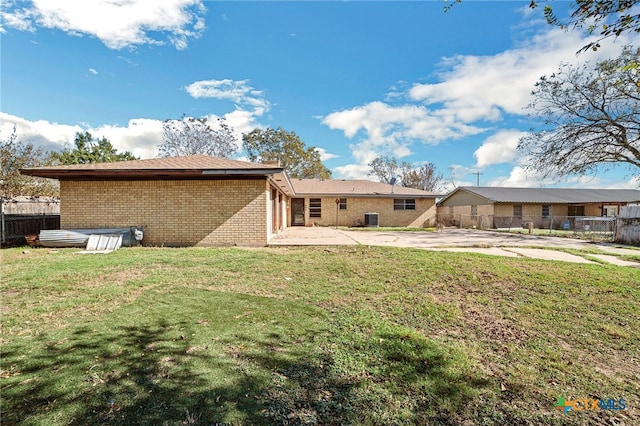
(628, 227)
(24, 216)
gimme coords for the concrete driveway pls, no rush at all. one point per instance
(467, 240)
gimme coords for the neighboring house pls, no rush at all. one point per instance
(182, 201)
(496, 207)
(335, 202)
(206, 201)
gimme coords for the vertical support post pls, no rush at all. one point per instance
(4, 229)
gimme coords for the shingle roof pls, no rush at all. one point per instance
(552, 195)
(362, 188)
(191, 165)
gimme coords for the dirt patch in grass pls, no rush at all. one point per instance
(491, 329)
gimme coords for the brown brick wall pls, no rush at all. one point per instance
(173, 212)
(422, 216)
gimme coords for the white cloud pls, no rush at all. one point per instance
(93, 71)
(471, 92)
(388, 129)
(117, 24)
(487, 87)
(520, 177)
(351, 171)
(250, 103)
(18, 19)
(238, 92)
(324, 155)
(501, 147)
(44, 134)
(140, 136)
(241, 121)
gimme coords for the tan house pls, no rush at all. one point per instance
(182, 201)
(206, 201)
(496, 207)
(335, 202)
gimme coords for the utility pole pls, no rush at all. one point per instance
(477, 177)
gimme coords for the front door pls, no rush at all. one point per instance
(297, 212)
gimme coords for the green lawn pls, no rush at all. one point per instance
(340, 335)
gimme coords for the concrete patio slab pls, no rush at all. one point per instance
(491, 251)
(615, 261)
(459, 240)
(311, 236)
(549, 255)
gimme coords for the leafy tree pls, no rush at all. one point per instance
(298, 160)
(591, 118)
(190, 136)
(16, 155)
(425, 177)
(87, 150)
(607, 18)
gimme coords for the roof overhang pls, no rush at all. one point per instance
(281, 180)
(62, 174)
(372, 195)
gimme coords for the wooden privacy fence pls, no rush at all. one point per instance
(24, 216)
(628, 228)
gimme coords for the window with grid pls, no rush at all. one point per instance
(474, 211)
(343, 204)
(546, 211)
(404, 204)
(517, 210)
(315, 207)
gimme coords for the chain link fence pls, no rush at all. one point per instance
(591, 227)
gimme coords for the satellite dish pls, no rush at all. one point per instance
(393, 181)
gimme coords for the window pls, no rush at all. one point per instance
(474, 211)
(575, 211)
(343, 203)
(404, 204)
(517, 210)
(546, 210)
(610, 211)
(315, 207)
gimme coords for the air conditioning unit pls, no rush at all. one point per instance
(371, 220)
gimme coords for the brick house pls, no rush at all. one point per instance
(335, 202)
(498, 207)
(206, 201)
(182, 201)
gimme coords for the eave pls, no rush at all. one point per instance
(66, 174)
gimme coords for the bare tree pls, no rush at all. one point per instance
(190, 136)
(384, 168)
(16, 155)
(591, 118)
(425, 177)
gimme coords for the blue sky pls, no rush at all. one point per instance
(355, 79)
